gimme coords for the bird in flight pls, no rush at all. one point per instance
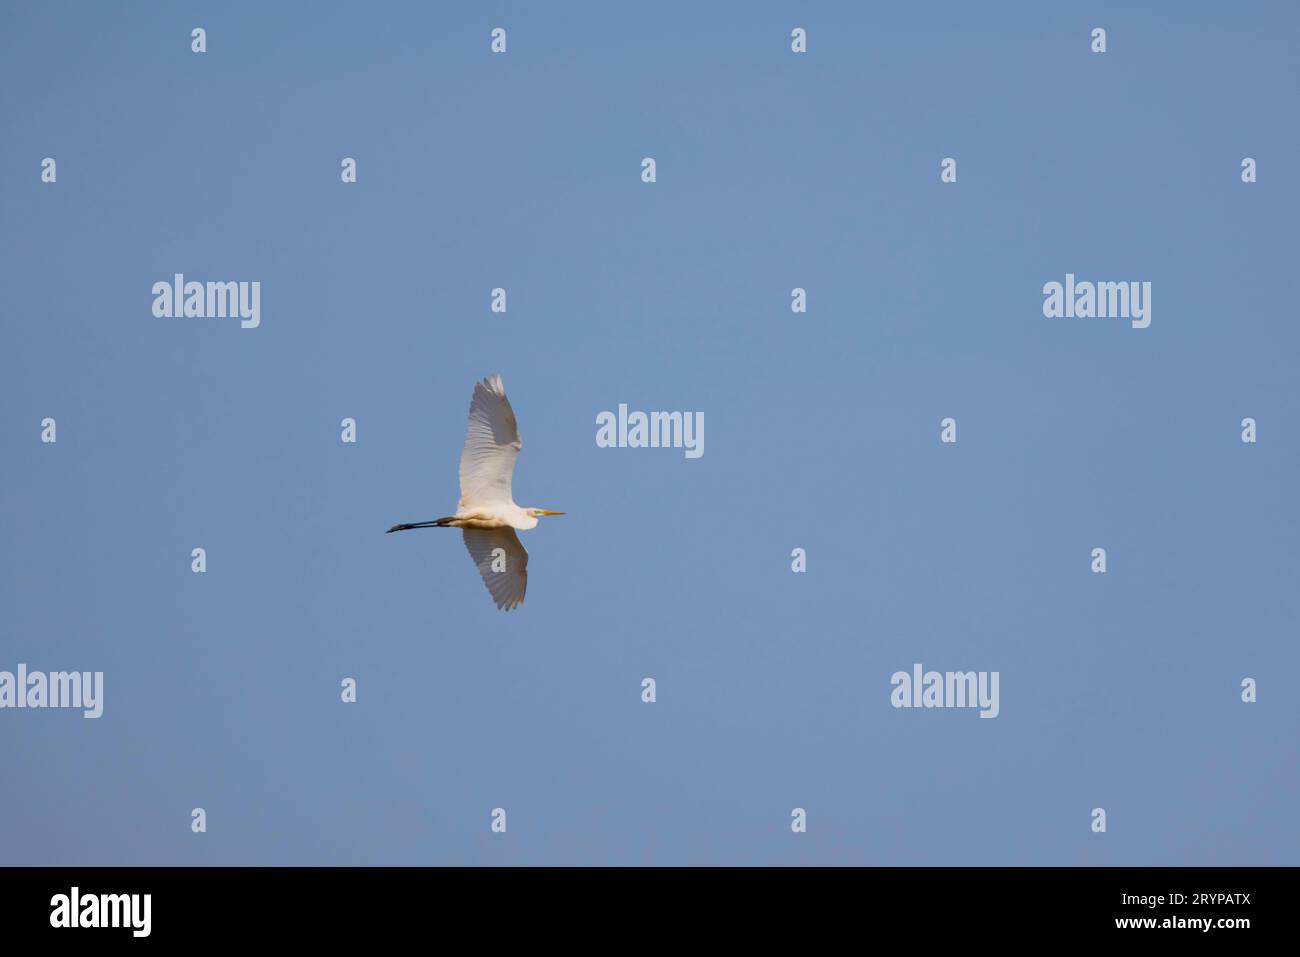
(487, 514)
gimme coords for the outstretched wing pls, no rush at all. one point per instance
(491, 446)
(501, 561)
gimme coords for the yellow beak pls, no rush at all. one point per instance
(547, 511)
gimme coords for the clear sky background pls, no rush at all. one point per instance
(775, 170)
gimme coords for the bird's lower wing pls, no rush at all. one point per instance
(502, 562)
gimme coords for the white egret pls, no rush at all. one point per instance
(487, 513)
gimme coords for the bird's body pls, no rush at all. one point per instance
(487, 511)
(500, 516)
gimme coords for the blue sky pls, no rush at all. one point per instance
(774, 170)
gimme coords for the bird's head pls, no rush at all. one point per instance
(539, 512)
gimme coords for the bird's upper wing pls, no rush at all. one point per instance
(491, 446)
(502, 562)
